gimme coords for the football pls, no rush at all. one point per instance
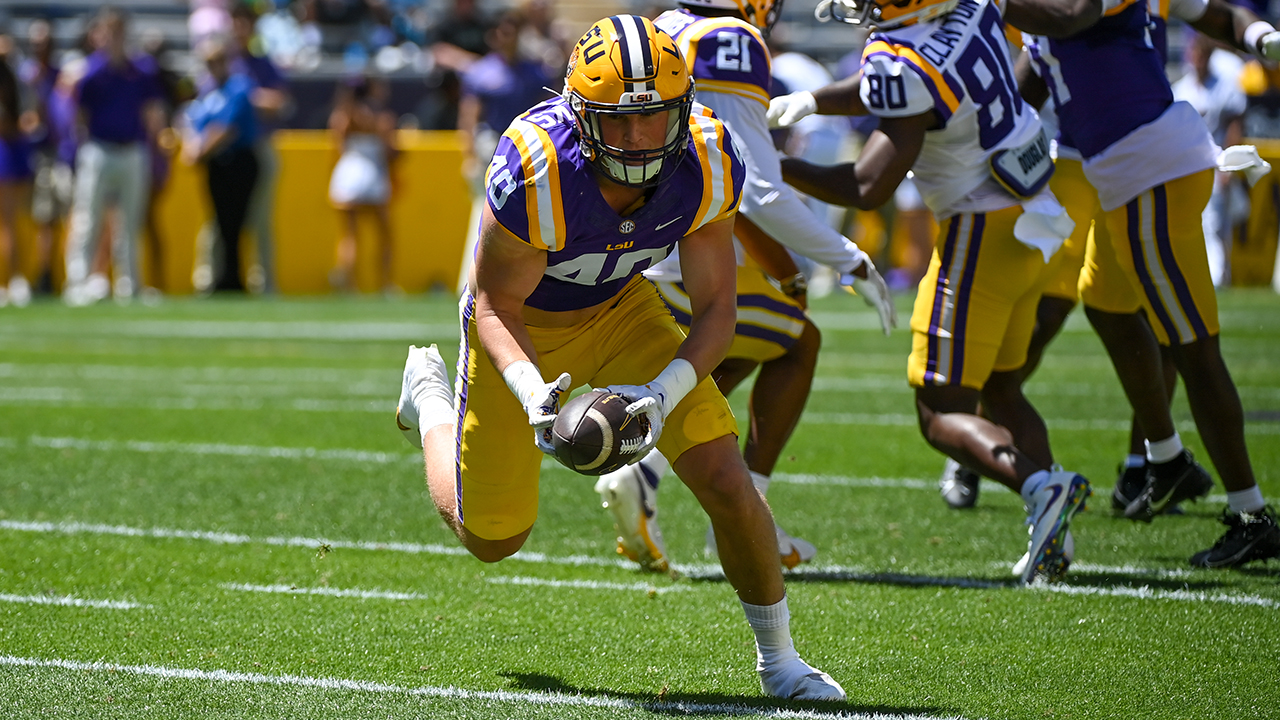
(594, 435)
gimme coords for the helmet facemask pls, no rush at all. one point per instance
(633, 168)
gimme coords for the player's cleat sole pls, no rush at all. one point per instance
(1056, 504)
(958, 485)
(1249, 537)
(1169, 484)
(630, 496)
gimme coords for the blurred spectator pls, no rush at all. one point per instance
(272, 102)
(119, 100)
(224, 131)
(361, 181)
(542, 40)
(461, 39)
(1213, 89)
(15, 177)
(495, 90)
(51, 196)
(175, 90)
(208, 18)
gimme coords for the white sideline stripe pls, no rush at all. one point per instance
(76, 528)
(307, 453)
(1115, 570)
(69, 601)
(585, 584)
(847, 481)
(83, 397)
(1146, 593)
(898, 384)
(452, 693)
(904, 420)
(330, 592)
(231, 329)
(266, 374)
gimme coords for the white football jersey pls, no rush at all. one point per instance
(958, 67)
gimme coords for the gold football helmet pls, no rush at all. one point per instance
(885, 15)
(761, 13)
(625, 66)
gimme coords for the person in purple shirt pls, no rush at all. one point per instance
(495, 89)
(224, 132)
(119, 101)
(15, 178)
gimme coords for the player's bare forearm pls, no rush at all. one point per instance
(1031, 86)
(1054, 18)
(841, 97)
(506, 273)
(710, 275)
(772, 257)
(1226, 22)
(885, 160)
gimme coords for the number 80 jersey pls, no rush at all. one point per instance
(958, 66)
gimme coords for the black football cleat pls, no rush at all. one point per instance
(1129, 484)
(1168, 484)
(958, 485)
(1249, 537)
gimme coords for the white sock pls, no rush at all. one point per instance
(1163, 451)
(1032, 484)
(1245, 501)
(772, 627)
(1134, 461)
(656, 463)
(760, 481)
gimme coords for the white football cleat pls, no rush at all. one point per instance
(791, 550)
(1068, 555)
(425, 375)
(796, 679)
(630, 495)
(1053, 506)
(19, 291)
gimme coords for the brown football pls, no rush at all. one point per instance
(594, 435)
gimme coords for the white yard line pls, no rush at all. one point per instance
(257, 451)
(449, 692)
(75, 528)
(905, 420)
(586, 584)
(327, 591)
(1146, 593)
(69, 601)
(246, 329)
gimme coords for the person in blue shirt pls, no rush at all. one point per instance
(224, 131)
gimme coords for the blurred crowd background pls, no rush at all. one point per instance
(135, 138)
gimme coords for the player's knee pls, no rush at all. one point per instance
(492, 551)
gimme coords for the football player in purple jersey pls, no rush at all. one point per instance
(585, 191)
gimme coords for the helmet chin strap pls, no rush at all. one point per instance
(633, 174)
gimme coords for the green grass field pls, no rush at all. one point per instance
(207, 512)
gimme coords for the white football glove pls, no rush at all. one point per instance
(648, 401)
(656, 400)
(540, 400)
(876, 294)
(787, 110)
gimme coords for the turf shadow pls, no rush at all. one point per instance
(715, 704)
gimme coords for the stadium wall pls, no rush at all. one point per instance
(430, 209)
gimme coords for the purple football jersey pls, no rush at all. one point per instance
(543, 190)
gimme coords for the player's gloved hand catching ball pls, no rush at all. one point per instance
(875, 292)
(541, 400)
(787, 110)
(655, 400)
